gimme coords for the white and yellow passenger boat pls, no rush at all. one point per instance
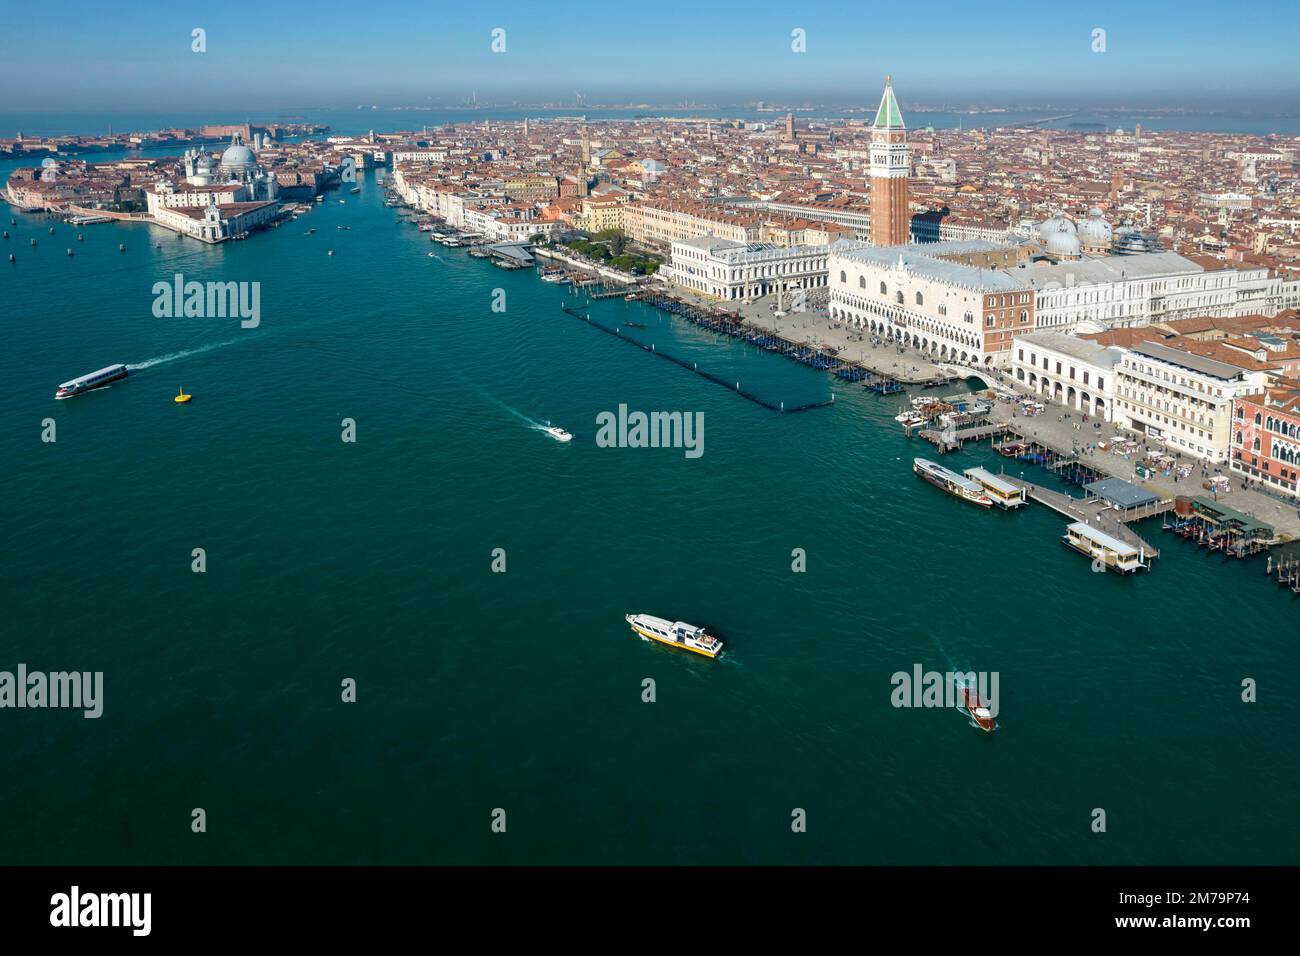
(1107, 551)
(675, 633)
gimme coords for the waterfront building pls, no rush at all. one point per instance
(1137, 290)
(1068, 370)
(1180, 392)
(661, 224)
(216, 222)
(216, 200)
(961, 302)
(169, 195)
(1266, 437)
(891, 216)
(730, 270)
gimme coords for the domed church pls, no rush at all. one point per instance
(1095, 234)
(238, 165)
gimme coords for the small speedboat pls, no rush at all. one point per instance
(975, 709)
(558, 433)
(636, 325)
(911, 419)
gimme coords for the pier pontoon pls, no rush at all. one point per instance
(1107, 551)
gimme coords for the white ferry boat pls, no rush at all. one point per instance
(1004, 494)
(92, 381)
(951, 482)
(1106, 550)
(675, 633)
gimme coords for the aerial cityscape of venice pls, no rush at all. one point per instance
(682, 436)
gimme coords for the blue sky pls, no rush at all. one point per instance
(94, 54)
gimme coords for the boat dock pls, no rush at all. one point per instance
(1097, 512)
(953, 439)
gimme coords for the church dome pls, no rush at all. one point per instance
(1095, 230)
(238, 156)
(1050, 227)
(1064, 243)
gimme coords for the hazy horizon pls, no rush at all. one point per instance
(331, 55)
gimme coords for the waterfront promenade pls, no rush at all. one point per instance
(815, 328)
(909, 366)
(1048, 428)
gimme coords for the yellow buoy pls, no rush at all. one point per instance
(181, 398)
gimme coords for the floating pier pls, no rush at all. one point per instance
(1096, 512)
(882, 385)
(694, 367)
(951, 439)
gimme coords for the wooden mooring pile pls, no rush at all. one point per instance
(1286, 569)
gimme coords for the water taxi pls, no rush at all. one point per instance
(1004, 494)
(181, 398)
(94, 380)
(951, 482)
(1107, 551)
(911, 419)
(675, 633)
(558, 433)
(558, 277)
(974, 708)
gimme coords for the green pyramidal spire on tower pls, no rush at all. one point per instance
(889, 116)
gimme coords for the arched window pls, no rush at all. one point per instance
(843, 276)
(920, 299)
(1258, 418)
(883, 290)
(898, 296)
(862, 282)
(1255, 445)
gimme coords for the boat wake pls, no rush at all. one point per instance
(509, 410)
(177, 356)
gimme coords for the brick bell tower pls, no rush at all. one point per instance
(891, 218)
